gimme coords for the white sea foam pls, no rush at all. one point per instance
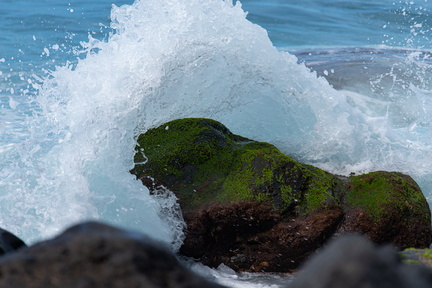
(229, 278)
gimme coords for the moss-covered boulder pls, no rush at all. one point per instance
(388, 207)
(253, 208)
(204, 163)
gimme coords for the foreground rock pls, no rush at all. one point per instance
(251, 207)
(95, 255)
(9, 242)
(354, 262)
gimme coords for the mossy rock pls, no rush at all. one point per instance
(240, 197)
(388, 207)
(203, 162)
(417, 256)
(377, 192)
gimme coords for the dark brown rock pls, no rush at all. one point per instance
(249, 236)
(217, 229)
(254, 209)
(95, 255)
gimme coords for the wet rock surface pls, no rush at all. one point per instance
(249, 236)
(251, 207)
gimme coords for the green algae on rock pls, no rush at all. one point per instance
(389, 207)
(203, 162)
(379, 191)
(417, 256)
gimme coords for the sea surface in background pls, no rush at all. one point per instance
(343, 85)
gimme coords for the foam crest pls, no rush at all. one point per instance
(207, 60)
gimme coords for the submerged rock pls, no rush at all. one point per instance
(251, 207)
(95, 255)
(352, 261)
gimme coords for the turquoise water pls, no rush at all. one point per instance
(344, 85)
(333, 23)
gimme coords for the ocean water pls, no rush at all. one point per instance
(343, 85)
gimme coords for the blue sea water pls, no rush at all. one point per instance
(343, 85)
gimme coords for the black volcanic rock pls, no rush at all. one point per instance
(95, 255)
(9, 242)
